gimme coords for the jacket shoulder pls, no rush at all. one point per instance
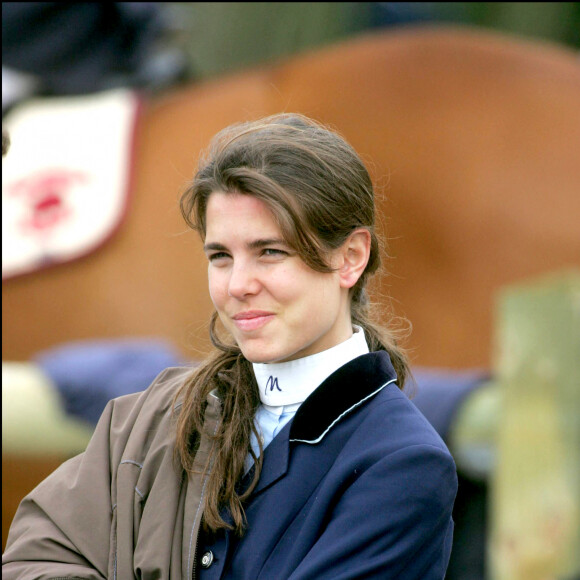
(157, 398)
(402, 421)
(135, 421)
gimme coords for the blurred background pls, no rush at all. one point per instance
(468, 117)
(64, 50)
(257, 32)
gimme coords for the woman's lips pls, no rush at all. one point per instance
(252, 320)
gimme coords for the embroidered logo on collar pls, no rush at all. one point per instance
(272, 383)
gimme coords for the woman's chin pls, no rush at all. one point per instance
(259, 358)
(259, 355)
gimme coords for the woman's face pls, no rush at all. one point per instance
(275, 306)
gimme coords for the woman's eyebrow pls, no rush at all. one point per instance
(214, 246)
(253, 245)
(256, 244)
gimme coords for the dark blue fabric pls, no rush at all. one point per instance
(79, 47)
(440, 392)
(89, 374)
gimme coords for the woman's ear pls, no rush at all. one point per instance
(354, 257)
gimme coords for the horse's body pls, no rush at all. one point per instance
(474, 138)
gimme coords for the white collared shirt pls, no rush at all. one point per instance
(285, 386)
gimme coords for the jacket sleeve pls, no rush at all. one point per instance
(392, 522)
(62, 528)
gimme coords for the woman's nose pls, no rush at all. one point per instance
(243, 281)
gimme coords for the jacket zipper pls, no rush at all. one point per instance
(194, 561)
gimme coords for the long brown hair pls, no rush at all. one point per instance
(319, 191)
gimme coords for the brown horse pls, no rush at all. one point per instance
(472, 137)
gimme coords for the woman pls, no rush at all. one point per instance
(291, 452)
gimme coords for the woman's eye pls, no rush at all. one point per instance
(274, 252)
(217, 256)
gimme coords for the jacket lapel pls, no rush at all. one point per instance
(274, 468)
(275, 462)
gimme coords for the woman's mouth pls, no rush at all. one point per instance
(252, 319)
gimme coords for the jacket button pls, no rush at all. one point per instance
(207, 559)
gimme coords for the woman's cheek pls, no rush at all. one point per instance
(217, 287)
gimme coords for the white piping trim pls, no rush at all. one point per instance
(131, 462)
(314, 441)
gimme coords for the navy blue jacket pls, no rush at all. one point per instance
(357, 485)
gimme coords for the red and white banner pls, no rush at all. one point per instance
(66, 178)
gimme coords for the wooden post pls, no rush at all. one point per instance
(535, 489)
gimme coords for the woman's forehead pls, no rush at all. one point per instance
(228, 213)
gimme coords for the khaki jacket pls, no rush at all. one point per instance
(120, 503)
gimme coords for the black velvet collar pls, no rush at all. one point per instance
(340, 392)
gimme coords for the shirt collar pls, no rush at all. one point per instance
(290, 383)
